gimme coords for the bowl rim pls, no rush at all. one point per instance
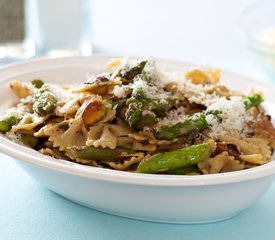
(31, 156)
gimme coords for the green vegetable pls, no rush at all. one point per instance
(133, 112)
(136, 106)
(200, 121)
(101, 154)
(6, 123)
(129, 73)
(190, 127)
(45, 102)
(159, 106)
(184, 170)
(38, 83)
(28, 140)
(145, 120)
(118, 104)
(139, 103)
(251, 101)
(180, 158)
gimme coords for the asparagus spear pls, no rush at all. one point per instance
(180, 158)
(251, 101)
(158, 106)
(139, 103)
(101, 154)
(184, 170)
(129, 73)
(45, 102)
(28, 140)
(6, 123)
(190, 127)
(145, 120)
(38, 83)
(133, 112)
(135, 107)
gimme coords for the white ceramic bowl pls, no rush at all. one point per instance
(174, 199)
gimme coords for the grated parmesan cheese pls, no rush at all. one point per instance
(120, 91)
(150, 91)
(198, 93)
(233, 114)
(173, 116)
(160, 76)
(63, 95)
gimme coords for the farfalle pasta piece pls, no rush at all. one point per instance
(250, 146)
(21, 89)
(89, 162)
(215, 164)
(110, 115)
(197, 93)
(126, 164)
(49, 124)
(233, 165)
(53, 152)
(264, 146)
(94, 134)
(29, 122)
(105, 135)
(244, 146)
(264, 128)
(131, 143)
(41, 131)
(253, 158)
(201, 76)
(113, 63)
(107, 139)
(100, 85)
(74, 135)
(55, 132)
(222, 91)
(70, 107)
(147, 136)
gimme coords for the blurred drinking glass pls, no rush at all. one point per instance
(12, 45)
(58, 28)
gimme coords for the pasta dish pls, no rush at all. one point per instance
(136, 117)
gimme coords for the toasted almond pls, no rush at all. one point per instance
(94, 112)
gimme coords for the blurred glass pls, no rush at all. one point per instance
(258, 28)
(58, 28)
(12, 45)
